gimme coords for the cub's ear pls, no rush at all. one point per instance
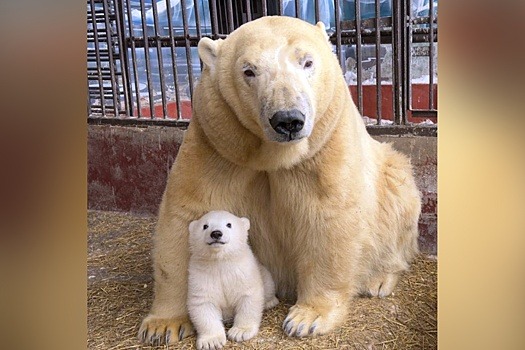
(192, 225)
(209, 50)
(320, 26)
(245, 223)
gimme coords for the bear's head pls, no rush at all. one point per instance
(276, 78)
(218, 232)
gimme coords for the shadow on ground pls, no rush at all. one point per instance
(120, 291)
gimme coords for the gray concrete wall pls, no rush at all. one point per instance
(128, 169)
(423, 155)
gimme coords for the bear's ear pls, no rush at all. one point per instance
(208, 51)
(245, 223)
(321, 27)
(192, 225)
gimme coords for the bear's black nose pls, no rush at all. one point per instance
(216, 234)
(287, 122)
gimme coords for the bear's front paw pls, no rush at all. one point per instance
(240, 334)
(305, 320)
(159, 331)
(211, 341)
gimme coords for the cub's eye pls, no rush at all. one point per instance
(249, 73)
(205, 227)
(308, 64)
(228, 225)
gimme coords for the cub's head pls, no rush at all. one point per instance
(218, 232)
(275, 73)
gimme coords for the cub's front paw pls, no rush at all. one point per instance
(211, 341)
(159, 331)
(240, 334)
(303, 320)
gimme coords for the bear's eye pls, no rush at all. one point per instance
(308, 64)
(249, 73)
(205, 227)
(228, 225)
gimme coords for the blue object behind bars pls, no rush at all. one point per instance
(367, 7)
(327, 11)
(163, 30)
(306, 12)
(176, 17)
(420, 8)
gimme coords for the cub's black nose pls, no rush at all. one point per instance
(287, 122)
(216, 234)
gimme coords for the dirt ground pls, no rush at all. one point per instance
(120, 291)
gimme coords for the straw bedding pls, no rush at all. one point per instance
(120, 291)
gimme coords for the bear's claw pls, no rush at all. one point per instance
(312, 328)
(155, 339)
(159, 331)
(142, 335)
(305, 321)
(287, 327)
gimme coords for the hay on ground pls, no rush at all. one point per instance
(120, 291)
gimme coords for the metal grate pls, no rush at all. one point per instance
(143, 61)
(106, 76)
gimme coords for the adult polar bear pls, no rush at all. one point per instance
(276, 137)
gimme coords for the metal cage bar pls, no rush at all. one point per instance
(93, 32)
(188, 45)
(138, 50)
(159, 62)
(173, 60)
(358, 56)
(378, 61)
(111, 59)
(123, 57)
(431, 56)
(147, 59)
(337, 18)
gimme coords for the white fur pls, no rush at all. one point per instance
(225, 281)
(334, 214)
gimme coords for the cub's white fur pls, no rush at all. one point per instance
(225, 280)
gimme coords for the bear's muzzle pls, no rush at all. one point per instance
(216, 236)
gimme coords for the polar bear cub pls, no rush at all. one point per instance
(225, 280)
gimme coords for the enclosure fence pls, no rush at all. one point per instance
(142, 60)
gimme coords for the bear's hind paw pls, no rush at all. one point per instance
(271, 303)
(382, 286)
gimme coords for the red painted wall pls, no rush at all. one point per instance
(128, 169)
(420, 100)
